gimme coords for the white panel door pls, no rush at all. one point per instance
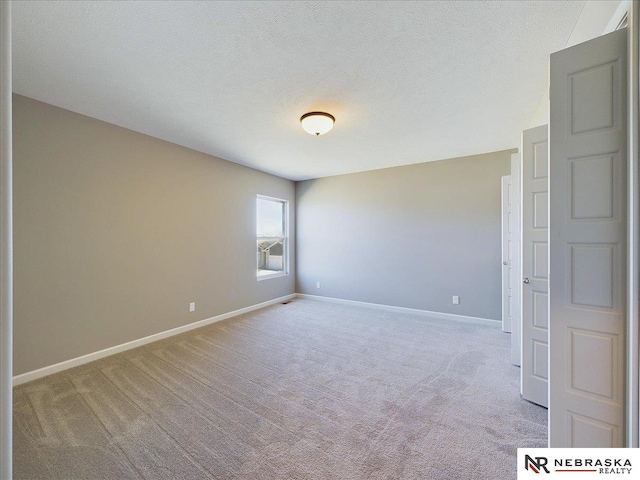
(506, 253)
(535, 265)
(516, 261)
(588, 243)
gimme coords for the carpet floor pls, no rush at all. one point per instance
(306, 390)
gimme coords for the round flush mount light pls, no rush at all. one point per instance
(317, 123)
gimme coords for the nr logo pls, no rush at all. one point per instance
(537, 465)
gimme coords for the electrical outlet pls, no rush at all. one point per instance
(192, 307)
(456, 300)
(317, 284)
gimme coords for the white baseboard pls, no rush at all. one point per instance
(415, 311)
(90, 357)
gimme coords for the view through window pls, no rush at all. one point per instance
(271, 214)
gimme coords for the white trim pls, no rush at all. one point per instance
(623, 9)
(271, 199)
(633, 230)
(267, 276)
(90, 357)
(285, 239)
(506, 261)
(414, 311)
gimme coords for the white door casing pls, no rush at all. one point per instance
(506, 253)
(588, 243)
(516, 261)
(535, 265)
(633, 230)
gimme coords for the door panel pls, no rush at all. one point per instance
(535, 261)
(588, 243)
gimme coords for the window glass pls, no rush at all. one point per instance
(271, 215)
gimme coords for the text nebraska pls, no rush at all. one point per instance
(590, 462)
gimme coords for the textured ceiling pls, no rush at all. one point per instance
(408, 82)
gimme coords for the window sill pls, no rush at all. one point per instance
(267, 274)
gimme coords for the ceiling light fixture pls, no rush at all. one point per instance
(317, 123)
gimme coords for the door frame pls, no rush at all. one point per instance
(506, 261)
(516, 260)
(633, 229)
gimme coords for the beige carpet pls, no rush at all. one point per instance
(307, 390)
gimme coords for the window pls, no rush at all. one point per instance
(272, 233)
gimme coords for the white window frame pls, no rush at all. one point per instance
(285, 240)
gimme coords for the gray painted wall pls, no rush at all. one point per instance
(116, 232)
(409, 236)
